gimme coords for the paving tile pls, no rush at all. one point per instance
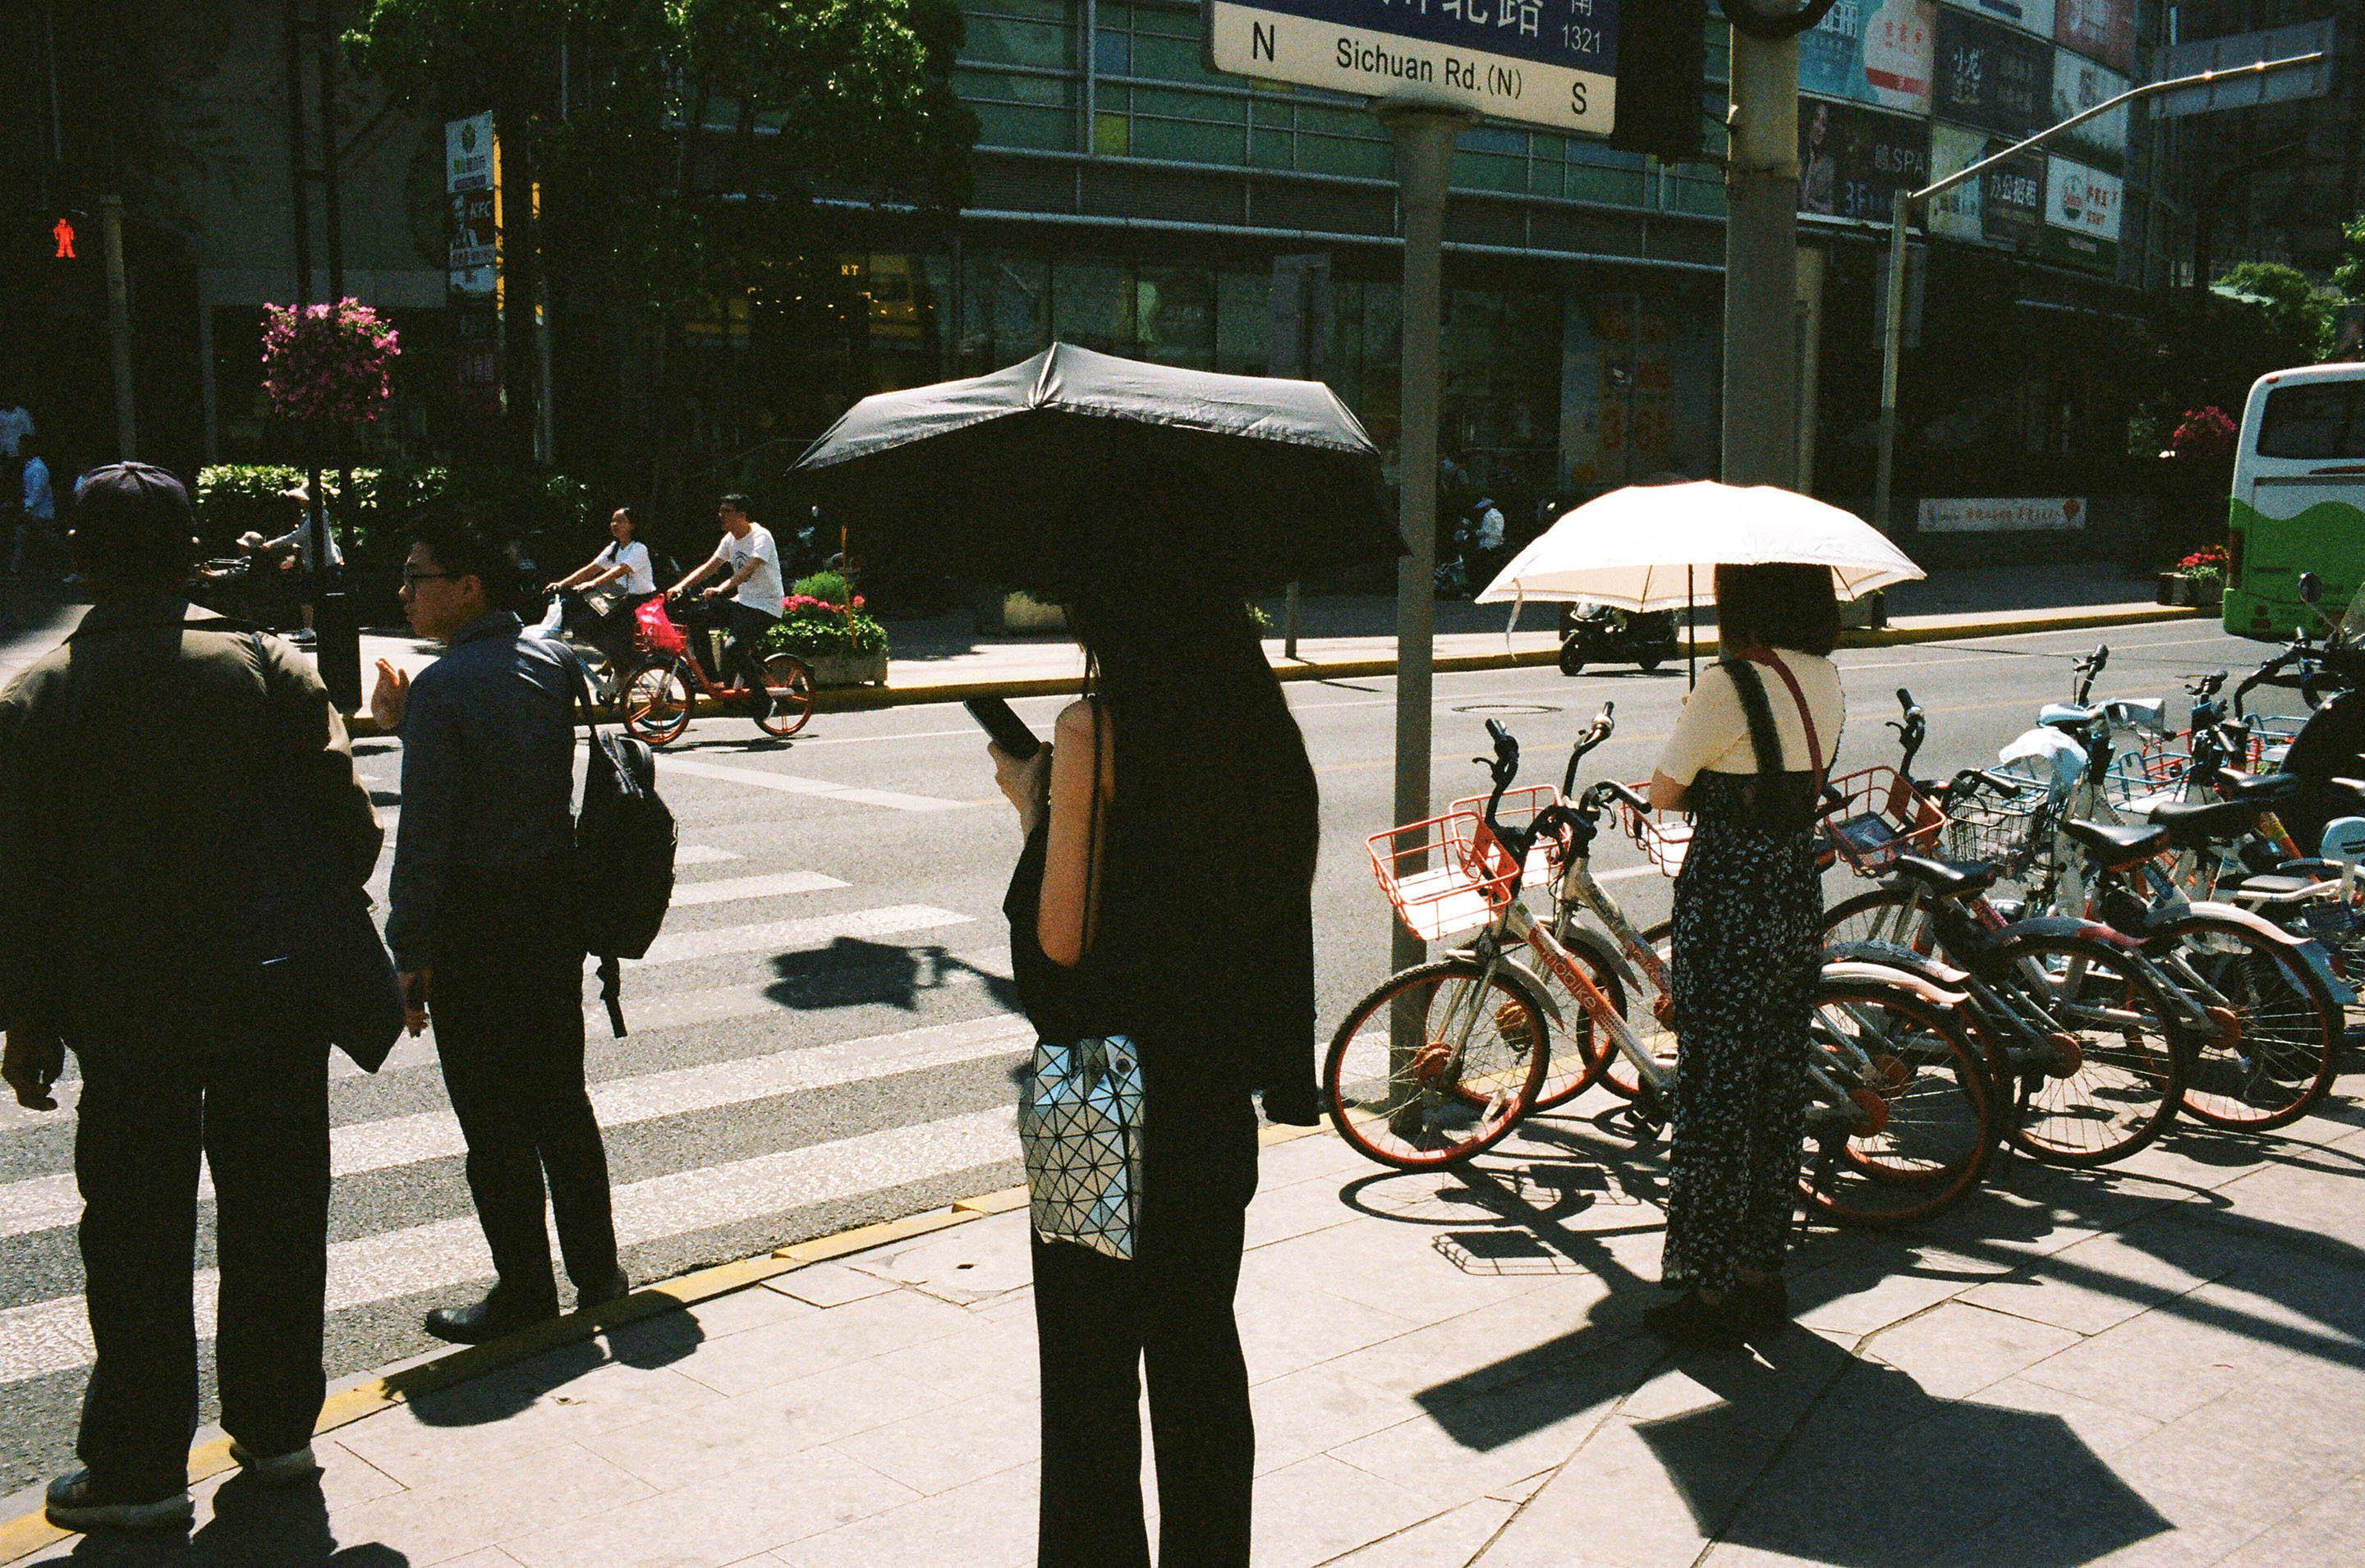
(1285, 1331)
(781, 1352)
(2090, 1516)
(1955, 1349)
(1845, 1302)
(1449, 1540)
(998, 1354)
(2159, 1365)
(1614, 1502)
(967, 1264)
(476, 1505)
(2292, 1451)
(1318, 1509)
(987, 1524)
(2104, 1430)
(1386, 1266)
(723, 1520)
(1297, 1209)
(541, 1404)
(829, 1285)
(1498, 1343)
(2328, 1533)
(953, 1445)
(722, 1315)
(1306, 1412)
(765, 1423)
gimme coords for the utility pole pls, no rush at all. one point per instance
(1761, 266)
(118, 327)
(1424, 136)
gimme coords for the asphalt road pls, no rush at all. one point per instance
(824, 1037)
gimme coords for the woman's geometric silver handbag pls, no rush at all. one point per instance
(1080, 1129)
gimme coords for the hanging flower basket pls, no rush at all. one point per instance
(327, 365)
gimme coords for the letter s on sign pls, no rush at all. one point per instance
(1346, 54)
(1576, 96)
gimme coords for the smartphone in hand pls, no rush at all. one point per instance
(1003, 727)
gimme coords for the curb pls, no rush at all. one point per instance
(29, 1533)
(871, 699)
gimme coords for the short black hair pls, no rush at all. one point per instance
(465, 550)
(734, 502)
(133, 525)
(1782, 604)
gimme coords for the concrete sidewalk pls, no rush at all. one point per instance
(2163, 1361)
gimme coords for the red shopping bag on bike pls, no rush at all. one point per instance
(657, 631)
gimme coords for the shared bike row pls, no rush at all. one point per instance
(2061, 953)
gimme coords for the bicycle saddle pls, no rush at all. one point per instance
(2261, 789)
(2350, 792)
(1947, 878)
(2115, 845)
(2197, 821)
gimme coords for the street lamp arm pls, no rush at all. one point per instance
(2199, 79)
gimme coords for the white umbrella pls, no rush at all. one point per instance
(1639, 548)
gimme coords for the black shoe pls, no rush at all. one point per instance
(79, 1500)
(1688, 1320)
(1764, 1307)
(488, 1319)
(616, 1287)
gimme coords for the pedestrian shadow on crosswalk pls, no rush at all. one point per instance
(852, 972)
(251, 1526)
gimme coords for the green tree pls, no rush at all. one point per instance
(679, 156)
(2294, 316)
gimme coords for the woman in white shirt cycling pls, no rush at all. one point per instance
(618, 581)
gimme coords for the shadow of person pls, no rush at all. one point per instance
(851, 972)
(1812, 1454)
(253, 1526)
(659, 1339)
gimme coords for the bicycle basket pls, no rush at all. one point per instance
(1883, 818)
(656, 631)
(2157, 769)
(1662, 836)
(1999, 829)
(1518, 809)
(1445, 875)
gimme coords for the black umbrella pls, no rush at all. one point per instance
(1077, 466)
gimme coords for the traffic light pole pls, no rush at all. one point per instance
(1761, 266)
(1892, 321)
(1423, 145)
(118, 328)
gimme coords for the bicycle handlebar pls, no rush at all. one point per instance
(1604, 725)
(2087, 669)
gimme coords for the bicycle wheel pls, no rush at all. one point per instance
(2281, 1031)
(2115, 1078)
(1899, 917)
(1909, 1069)
(1484, 1047)
(788, 679)
(1572, 1070)
(1649, 1020)
(656, 702)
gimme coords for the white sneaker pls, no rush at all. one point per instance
(289, 1469)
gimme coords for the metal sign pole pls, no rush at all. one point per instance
(1424, 142)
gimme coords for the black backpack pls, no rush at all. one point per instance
(624, 841)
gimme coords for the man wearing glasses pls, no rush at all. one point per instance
(482, 925)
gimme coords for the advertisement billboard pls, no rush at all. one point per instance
(2079, 84)
(1988, 76)
(2081, 214)
(1852, 159)
(2103, 29)
(2035, 15)
(2004, 207)
(1873, 52)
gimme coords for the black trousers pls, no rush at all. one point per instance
(507, 1004)
(1100, 1322)
(261, 1118)
(743, 654)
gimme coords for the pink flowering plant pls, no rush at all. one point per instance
(2206, 434)
(327, 364)
(823, 618)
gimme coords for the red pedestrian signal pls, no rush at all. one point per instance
(64, 235)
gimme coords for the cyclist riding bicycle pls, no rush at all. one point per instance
(751, 595)
(600, 597)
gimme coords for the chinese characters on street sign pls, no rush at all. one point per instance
(1545, 62)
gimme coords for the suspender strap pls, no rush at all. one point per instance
(1806, 718)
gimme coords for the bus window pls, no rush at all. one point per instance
(2319, 421)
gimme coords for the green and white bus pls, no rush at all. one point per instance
(2299, 499)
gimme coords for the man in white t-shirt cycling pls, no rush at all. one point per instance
(618, 581)
(753, 593)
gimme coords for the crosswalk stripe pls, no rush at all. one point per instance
(790, 936)
(796, 784)
(48, 1203)
(701, 855)
(54, 1336)
(727, 890)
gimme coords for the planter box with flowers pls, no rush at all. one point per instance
(843, 644)
(2201, 578)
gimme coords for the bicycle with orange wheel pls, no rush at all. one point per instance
(1899, 1107)
(656, 691)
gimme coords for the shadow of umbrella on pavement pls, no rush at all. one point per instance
(1822, 1457)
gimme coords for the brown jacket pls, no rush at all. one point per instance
(147, 768)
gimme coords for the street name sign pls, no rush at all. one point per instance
(1551, 63)
(2245, 49)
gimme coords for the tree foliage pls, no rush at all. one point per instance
(2293, 316)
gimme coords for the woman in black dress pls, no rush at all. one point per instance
(1165, 894)
(1746, 761)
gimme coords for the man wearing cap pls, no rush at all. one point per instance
(142, 767)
